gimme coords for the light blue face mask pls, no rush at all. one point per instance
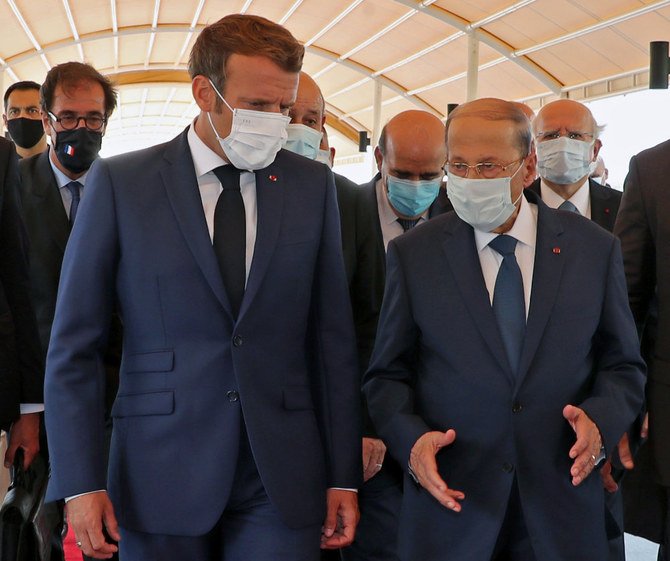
(564, 160)
(485, 204)
(411, 198)
(303, 140)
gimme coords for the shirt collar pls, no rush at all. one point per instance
(61, 179)
(205, 159)
(580, 197)
(524, 228)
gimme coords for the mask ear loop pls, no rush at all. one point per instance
(209, 117)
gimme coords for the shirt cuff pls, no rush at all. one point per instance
(27, 408)
(343, 489)
(68, 499)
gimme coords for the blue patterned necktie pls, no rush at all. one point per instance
(508, 300)
(567, 205)
(74, 188)
(408, 223)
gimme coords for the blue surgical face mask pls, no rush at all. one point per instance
(411, 198)
(303, 140)
(323, 156)
(564, 160)
(485, 204)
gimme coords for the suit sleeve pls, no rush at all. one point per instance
(339, 380)
(637, 244)
(75, 372)
(388, 384)
(618, 390)
(16, 287)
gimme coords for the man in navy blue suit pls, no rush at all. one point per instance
(506, 364)
(236, 426)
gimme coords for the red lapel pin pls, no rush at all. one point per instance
(607, 211)
(556, 250)
(272, 177)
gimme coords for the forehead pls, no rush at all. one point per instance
(259, 77)
(86, 95)
(571, 116)
(415, 150)
(23, 98)
(475, 139)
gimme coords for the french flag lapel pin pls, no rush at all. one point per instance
(272, 178)
(69, 150)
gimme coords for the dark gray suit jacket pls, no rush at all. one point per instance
(21, 377)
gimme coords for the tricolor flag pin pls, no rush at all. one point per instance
(69, 150)
(272, 177)
(556, 250)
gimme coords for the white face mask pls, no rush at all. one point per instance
(255, 136)
(303, 140)
(485, 204)
(323, 156)
(564, 160)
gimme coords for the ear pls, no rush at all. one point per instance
(597, 145)
(379, 158)
(203, 93)
(530, 168)
(332, 156)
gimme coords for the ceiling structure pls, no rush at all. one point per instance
(403, 53)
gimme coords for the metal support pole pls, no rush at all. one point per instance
(473, 66)
(376, 122)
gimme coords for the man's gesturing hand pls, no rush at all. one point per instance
(423, 464)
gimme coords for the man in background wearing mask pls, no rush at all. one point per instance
(23, 120)
(76, 103)
(506, 359)
(306, 135)
(566, 136)
(236, 427)
(407, 190)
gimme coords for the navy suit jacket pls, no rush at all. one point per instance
(21, 372)
(189, 370)
(439, 363)
(605, 202)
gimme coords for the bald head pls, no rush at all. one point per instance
(564, 116)
(416, 135)
(309, 108)
(526, 109)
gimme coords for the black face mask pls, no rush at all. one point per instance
(25, 132)
(77, 149)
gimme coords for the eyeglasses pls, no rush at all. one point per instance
(71, 122)
(572, 135)
(487, 170)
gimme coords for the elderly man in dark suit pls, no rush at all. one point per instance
(568, 143)
(21, 377)
(643, 227)
(506, 364)
(236, 426)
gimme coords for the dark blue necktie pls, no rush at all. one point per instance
(567, 205)
(74, 188)
(408, 223)
(508, 299)
(230, 235)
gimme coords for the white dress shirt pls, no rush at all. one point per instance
(524, 230)
(388, 219)
(581, 197)
(205, 160)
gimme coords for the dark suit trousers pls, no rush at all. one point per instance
(249, 529)
(379, 500)
(513, 541)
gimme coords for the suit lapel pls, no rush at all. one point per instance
(461, 253)
(181, 185)
(270, 185)
(49, 203)
(547, 271)
(602, 212)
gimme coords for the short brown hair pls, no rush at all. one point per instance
(69, 75)
(243, 35)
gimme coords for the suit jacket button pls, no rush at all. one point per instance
(237, 340)
(233, 396)
(507, 467)
(516, 408)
